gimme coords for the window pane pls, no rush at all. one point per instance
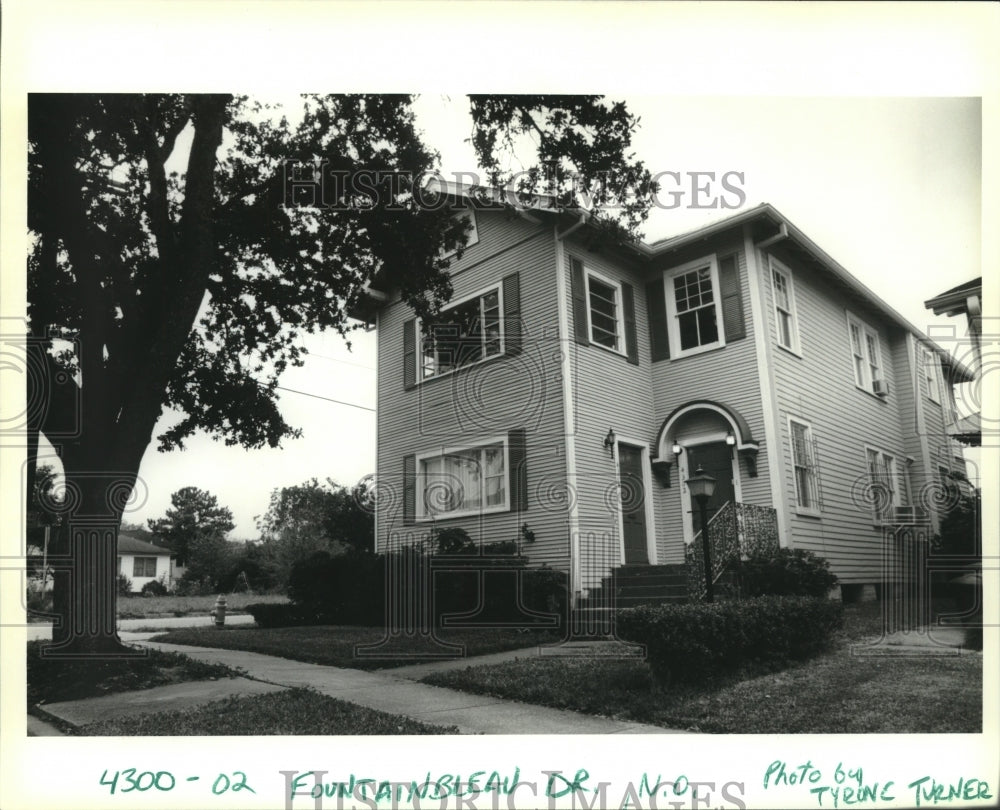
(707, 329)
(780, 290)
(784, 329)
(688, 327)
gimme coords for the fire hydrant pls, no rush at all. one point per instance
(220, 611)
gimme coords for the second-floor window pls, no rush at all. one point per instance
(604, 310)
(693, 307)
(466, 333)
(866, 353)
(784, 307)
(932, 374)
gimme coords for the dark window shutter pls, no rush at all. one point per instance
(409, 489)
(518, 475)
(732, 301)
(656, 307)
(410, 353)
(512, 314)
(579, 302)
(628, 307)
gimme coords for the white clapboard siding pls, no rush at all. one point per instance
(819, 388)
(484, 400)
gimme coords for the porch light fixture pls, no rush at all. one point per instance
(702, 486)
(609, 440)
(730, 439)
(677, 449)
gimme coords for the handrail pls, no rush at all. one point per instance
(734, 530)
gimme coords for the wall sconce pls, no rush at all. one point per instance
(677, 449)
(609, 440)
(730, 439)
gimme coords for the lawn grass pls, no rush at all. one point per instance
(296, 711)
(335, 646)
(142, 607)
(52, 680)
(835, 693)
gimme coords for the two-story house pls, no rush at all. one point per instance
(573, 389)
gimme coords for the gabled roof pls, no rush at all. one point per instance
(781, 229)
(954, 301)
(127, 544)
(785, 230)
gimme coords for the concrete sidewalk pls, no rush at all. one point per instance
(43, 631)
(382, 690)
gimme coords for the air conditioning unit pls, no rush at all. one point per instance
(880, 388)
(909, 514)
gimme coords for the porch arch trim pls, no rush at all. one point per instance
(745, 442)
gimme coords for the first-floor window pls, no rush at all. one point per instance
(462, 481)
(804, 462)
(144, 567)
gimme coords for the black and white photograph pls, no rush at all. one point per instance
(625, 429)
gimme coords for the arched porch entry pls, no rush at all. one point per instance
(712, 436)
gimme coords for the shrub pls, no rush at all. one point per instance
(787, 572)
(692, 642)
(453, 541)
(501, 548)
(193, 585)
(154, 588)
(39, 601)
(123, 585)
(343, 589)
(278, 615)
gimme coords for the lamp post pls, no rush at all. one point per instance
(702, 486)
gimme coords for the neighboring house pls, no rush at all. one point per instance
(143, 562)
(965, 299)
(574, 389)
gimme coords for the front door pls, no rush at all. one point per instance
(633, 495)
(716, 459)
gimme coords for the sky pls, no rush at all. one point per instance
(889, 187)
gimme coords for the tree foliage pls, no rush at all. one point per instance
(171, 269)
(194, 526)
(314, 516)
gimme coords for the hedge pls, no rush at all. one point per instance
(268, 614)
(479, 590)
(690, 642)
(786, 572)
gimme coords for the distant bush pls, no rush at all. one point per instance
(278, 615)
(688, 643)
(154, 588)
(39, 601)
(193, 585)
(123, 585)
(787, 572)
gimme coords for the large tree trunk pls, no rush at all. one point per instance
(85, 596)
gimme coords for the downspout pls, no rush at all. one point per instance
(569, 412)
